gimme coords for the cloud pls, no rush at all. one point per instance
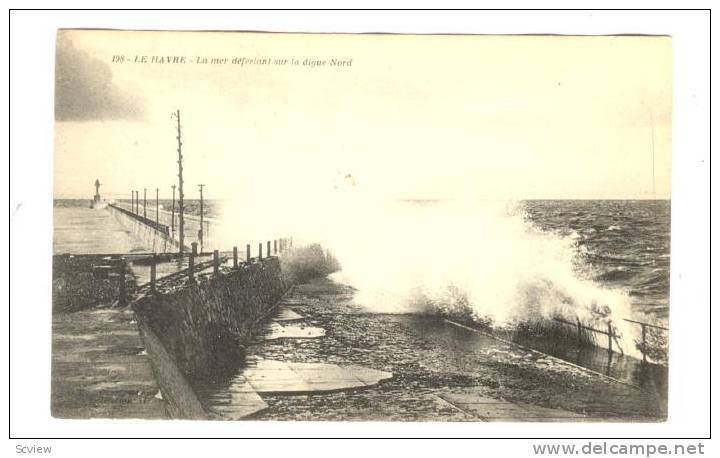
(84, 90)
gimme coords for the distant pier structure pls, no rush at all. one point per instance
(97, 201)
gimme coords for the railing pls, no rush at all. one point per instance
(169, 219)
(274, 248)
(147, 221)
(644, 327)
(612, 336)
(610, 332)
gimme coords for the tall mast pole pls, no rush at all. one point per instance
(181, 197)
(172, 217)
(202, 228)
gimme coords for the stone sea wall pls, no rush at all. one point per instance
(204, 325)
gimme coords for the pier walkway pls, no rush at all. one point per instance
(83, 230)
(100, 368)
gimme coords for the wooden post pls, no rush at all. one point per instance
(145, 203)
(275, 247)
(201, 235)
(216, 263)
(235, 257)
(260, 251)
(579, 329)
(247, 253)
(191, 262)
(153, 273)
(157, 207)
(610, 337)
(644, 342)
(122, 293)
(269, 253)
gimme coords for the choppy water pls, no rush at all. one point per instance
(621, 243)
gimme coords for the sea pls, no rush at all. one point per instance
(619, 244)
(624, 244)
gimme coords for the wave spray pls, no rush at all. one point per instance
(483, 259)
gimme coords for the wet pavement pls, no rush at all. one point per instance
(440, 371)
(100, 368)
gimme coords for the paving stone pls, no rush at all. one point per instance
(331, 385)
(239, 411)
(240, 387)
(270, 364)
(545, 412)
(293, 331)
(270, 385)
(490, 409)
(287, 314)
(368, 376)
(294, 301)
(337, 375)
(247, 398)
(282, 377)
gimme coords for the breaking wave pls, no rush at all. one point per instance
(483, 258)
(486, 258)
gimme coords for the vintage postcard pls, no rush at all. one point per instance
(361, 227)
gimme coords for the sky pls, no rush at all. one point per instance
(424, 117)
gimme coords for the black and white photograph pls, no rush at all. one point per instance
(339, 227)
(360, 224)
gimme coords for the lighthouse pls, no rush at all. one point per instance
(97, 201)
